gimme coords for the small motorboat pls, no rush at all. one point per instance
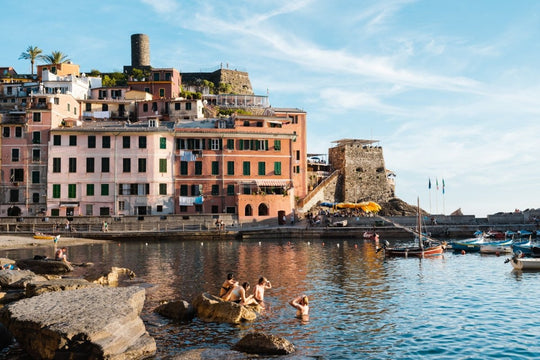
(521, 263)
(503, 247)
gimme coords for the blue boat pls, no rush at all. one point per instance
(524, 246)
(473, 245)
(524, 233)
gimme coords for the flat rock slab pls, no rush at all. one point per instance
(89, 323)
(18, 278)
(44, 266)
(264, 344)
(35, 288)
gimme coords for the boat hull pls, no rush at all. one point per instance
(525, 264)
(415, 252)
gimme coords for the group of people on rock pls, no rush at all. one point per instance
(231, 290)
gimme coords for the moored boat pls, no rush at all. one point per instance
(427, 247)
(503, 247)
(41, 236)
(523, 246)
(520, 263)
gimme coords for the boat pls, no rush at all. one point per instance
(41, 236)
(502, 247)
(427, 247)
(370, 235)
(495, 234)
(524, 246)
(524, 233)
(521, 263)
(468, 245)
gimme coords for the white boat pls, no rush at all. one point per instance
(504, 247)
(519, 263)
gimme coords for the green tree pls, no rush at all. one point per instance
(56, 57)
(95, 73)
(32, 53)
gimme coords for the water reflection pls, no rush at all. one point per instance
(362, 305)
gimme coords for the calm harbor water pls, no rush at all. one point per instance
(362, 305)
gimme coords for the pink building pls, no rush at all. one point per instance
(111, 168)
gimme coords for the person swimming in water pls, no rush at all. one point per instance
(258, 292)
(301, 304)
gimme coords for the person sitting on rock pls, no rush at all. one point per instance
(227, 285)
(61, 254)
(238, 295)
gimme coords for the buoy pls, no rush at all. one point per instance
(308, 243)
(202, 243)
(497, 253)
(146, 244)
(462, 252)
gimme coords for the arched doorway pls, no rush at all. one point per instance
(248, 210)
(263, 210)
(14, 211)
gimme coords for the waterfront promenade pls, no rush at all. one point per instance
(204, 227)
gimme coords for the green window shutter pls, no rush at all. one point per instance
(104, 189)
(230, 144)
(89, 189)
(183, 168)
(56, 191)
(241, 143)
(246, 168)
(162, 189)
(162, 143)
(230, 190)
(72, 191)
(198, 168)
(262, 168)
(265, 144)
(277, 168)
(215, 168)
(162, 165)
(277, 144)
(220, 144)
(230, 167)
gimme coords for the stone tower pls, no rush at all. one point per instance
(363, 175)
(140, 51)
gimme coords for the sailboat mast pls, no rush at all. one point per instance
(419, 220)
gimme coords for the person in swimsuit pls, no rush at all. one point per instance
(258, 292)
(227, 285)
(238, 295)
(301, 304)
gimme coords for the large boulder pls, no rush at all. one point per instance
(40, 287)
(179, 310)
(212, 308)
(45, 266)
(18, 279)
(264, 344)
(89, 323)
(109, 277)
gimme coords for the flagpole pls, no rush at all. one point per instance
(437, 195)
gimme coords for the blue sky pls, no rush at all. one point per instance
(450, 88)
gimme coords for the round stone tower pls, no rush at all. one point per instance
(140, 50)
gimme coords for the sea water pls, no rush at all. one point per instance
(362, 306)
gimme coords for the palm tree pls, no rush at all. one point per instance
(56, 57)
(32, 53)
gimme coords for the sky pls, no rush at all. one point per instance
(450, 89)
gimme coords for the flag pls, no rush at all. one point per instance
(437, 183)
(429, 184)
(443, 186)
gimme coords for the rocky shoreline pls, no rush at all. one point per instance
(49, 315)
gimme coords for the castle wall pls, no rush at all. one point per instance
(363, 173)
